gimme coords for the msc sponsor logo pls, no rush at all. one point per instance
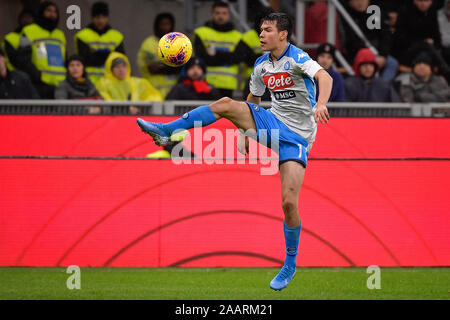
(278, 81)
(283, 95)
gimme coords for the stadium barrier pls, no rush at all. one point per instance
(79, 191)
(179, 107)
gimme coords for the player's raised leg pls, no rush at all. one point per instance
(292, 174)
(235, 111)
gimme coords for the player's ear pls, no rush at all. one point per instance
(283, 35)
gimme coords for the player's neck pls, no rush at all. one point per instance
(278, 51)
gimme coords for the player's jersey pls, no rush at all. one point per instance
(290, 80)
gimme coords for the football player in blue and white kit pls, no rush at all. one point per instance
(289, 73)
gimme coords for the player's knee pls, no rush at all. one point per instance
(289, 206)
(222, 106)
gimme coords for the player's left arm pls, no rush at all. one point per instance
(325, 84)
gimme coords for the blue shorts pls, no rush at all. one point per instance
(291, 146)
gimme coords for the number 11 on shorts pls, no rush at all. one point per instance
(299, 150)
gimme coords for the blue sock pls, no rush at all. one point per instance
(292, 238)
(202, 113)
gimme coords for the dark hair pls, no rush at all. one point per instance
(220, 4)
(284, 22)
(159, 18)
(100, 8)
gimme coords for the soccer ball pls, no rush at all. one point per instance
(175, 49)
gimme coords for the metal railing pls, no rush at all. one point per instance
(179, 107)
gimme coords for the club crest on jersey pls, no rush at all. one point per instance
(278, 81)
(287, 65)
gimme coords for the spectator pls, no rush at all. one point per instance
(422, 85)
(95, 42)
(192, 85)
(119, 85)
(365, 86)
(77, 84)
(161, 76)
(444, 27)
(416, 25)
(325, 57)
(15, 84)
(12, 40)
(216, 43)
(381, 39)
(42, 51)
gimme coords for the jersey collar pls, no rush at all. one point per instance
(282, 55)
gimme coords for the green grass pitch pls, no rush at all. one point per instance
(222, 284)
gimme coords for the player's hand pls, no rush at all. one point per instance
(321, 114)
(242, 144)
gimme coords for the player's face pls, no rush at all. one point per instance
(325, 60)
(270, 38)
(75, 69)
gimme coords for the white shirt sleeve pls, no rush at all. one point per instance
(257, 86)
(307, 65)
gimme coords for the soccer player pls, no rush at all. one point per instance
(289, 74)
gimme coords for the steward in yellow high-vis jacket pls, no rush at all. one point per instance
(11, 42)
(161, 76)
(119, 85)
(42, 51)
(217, 44)
(95, 42)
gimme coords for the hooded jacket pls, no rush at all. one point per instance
(358, 89)
(131, 88)
(364, 55)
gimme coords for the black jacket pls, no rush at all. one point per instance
(413, 27)
(185, 92)
(381, 39)
(17, 85)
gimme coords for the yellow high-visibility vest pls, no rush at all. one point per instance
(48, 52)
(221, 77)
(109, 40)
(149, 53)
(251, 38)
(13, 38)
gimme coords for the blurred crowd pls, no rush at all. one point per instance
(410, 62)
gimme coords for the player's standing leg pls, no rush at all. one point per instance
(292, 174)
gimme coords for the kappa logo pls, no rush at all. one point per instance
(278, 81)
(302, 55)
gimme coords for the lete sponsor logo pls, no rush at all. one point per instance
(278, 81)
